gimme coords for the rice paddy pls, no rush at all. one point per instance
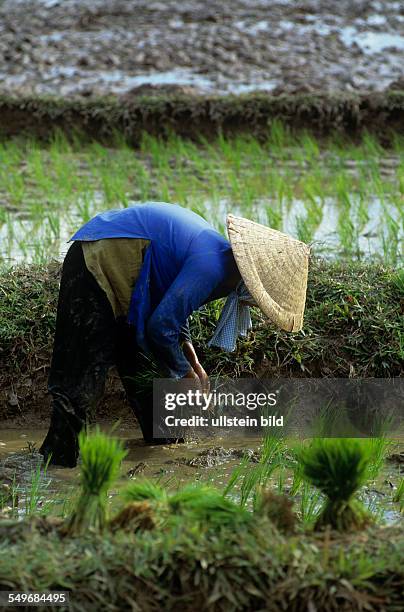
(323, 479)
(345, 199)
(318, 530)
(260, 519)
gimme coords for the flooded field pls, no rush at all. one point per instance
(346, 201)
(32, 487)
(224, 523)
(93, 47)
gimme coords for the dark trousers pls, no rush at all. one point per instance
(88, 341)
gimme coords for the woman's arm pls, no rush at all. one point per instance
(191, 288)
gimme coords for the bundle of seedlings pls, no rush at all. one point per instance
(101, 456)
(339, 467)
(278, 509)
(195, 503)
(206, 505)
(146, 507)
(133, 517)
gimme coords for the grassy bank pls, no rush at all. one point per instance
(193, 116)
(253, 568)
(353, 327)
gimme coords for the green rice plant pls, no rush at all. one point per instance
(194, 502)
(9, 497)
(274, 217)
(15, 187)
(38, 172)
(101, 456)
(398, 496)
(304, 229)
(397, 280)
(158, 151)
(390, 237)
(338, 468)
(252, 478)
(231, 151)
(54, 224)
(370, 147)
(307, 497)
(34, 495)
(207, 505)
(362, 214)
(341, 188)
(310, 501)
(310, 147)
(142, 182)
(144, 490)
(379, 448)
(347, 232)
(279, 138)
(86, 178)
(114, 184)
(279, 188)
(400, 178)
(60, 145)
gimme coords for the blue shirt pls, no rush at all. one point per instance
(187, 264)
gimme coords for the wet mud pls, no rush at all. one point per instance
(128, 47)
(25, 482)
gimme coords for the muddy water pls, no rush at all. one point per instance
(211, 461)
(172, 465)
(93, 47)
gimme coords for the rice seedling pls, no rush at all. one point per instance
(193, 502)
(133, 517)
(391, 237)
(370, 146)
(9, 497)
(101, 456)
(346, 231)
(338, 468)
(310, 501)
(274, 217)
(35, 495)
(304, 230)
(144, 490)
(258, 181)
(279, 138)
(251, 479)
(399, 495)
(278, 509)
(207, 505)
(379, 448)
(398, 281)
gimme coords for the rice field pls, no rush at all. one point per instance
(150, 538)
(345, 199)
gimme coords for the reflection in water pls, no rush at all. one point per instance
(368, 229)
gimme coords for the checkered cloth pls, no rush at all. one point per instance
(234, 320)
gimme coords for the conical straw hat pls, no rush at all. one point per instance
(274, 268)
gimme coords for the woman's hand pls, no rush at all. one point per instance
(203, 377)
(197, 371)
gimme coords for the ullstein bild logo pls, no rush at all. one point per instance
(223, 421)
(293, 407)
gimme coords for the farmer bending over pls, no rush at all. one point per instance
(130, 281)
